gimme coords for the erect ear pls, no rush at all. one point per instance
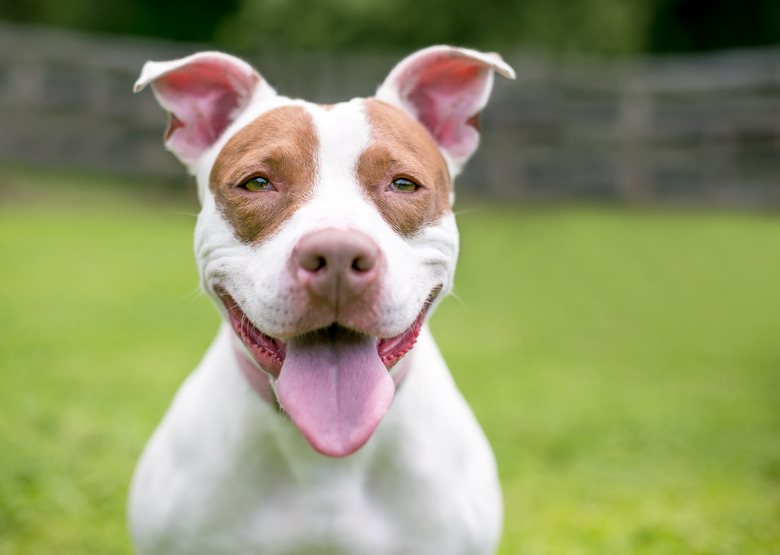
(203, 94)
(445, 88)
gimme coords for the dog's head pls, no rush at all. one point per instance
(326, 232)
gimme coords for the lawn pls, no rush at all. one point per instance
(625, 364)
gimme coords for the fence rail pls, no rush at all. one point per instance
(697, 128)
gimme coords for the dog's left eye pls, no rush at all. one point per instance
(257, 184)
(403, 185)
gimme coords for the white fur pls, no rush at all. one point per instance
(225, 473)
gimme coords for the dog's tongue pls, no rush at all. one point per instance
(335, 388)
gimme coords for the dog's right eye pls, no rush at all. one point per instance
(257, 185)
(403, 185)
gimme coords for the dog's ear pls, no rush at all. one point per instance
(445, 88)
(203, 94)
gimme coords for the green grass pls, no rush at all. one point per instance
(625, 365)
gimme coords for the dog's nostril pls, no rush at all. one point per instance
(312, 262)
(318, 263)
(363, 263)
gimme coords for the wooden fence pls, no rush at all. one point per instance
(703, 129)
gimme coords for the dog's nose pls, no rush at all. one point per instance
(336, 264)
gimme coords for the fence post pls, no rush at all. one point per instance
(634, 178)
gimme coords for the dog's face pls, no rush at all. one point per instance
(326, 232)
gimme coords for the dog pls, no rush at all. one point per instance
(323, 418)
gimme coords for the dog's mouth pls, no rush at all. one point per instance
(333, 382)
(269, 352)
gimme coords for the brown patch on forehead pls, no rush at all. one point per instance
(400, 147)
(281, 145)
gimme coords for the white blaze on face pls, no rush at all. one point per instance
(343, 135)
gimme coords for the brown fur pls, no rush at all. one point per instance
(401, 147)
(280, 145)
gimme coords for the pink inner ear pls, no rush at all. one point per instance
(447, 95)
(202, 97)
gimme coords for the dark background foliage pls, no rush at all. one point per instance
(612, 27)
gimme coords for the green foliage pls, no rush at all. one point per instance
(689, 25)
(586, 26)
(171, 19)
(607, 26)
(623, 363)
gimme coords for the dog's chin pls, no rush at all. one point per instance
(270, 353)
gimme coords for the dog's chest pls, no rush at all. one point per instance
(335, 510)
(275, 510)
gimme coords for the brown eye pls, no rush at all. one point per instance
(403, 185)
(257, 185)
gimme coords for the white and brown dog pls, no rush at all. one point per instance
(326, 237)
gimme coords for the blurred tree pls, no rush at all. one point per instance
(604, 26)
(172, 19)
(567, 26)
(690, 25)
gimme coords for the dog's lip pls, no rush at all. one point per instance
(269, 352)
(392, 349)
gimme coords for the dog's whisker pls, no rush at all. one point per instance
(192, 296)
(457, 297)
(189, 214)
(466, 211)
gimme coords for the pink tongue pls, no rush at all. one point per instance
(335, 388)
